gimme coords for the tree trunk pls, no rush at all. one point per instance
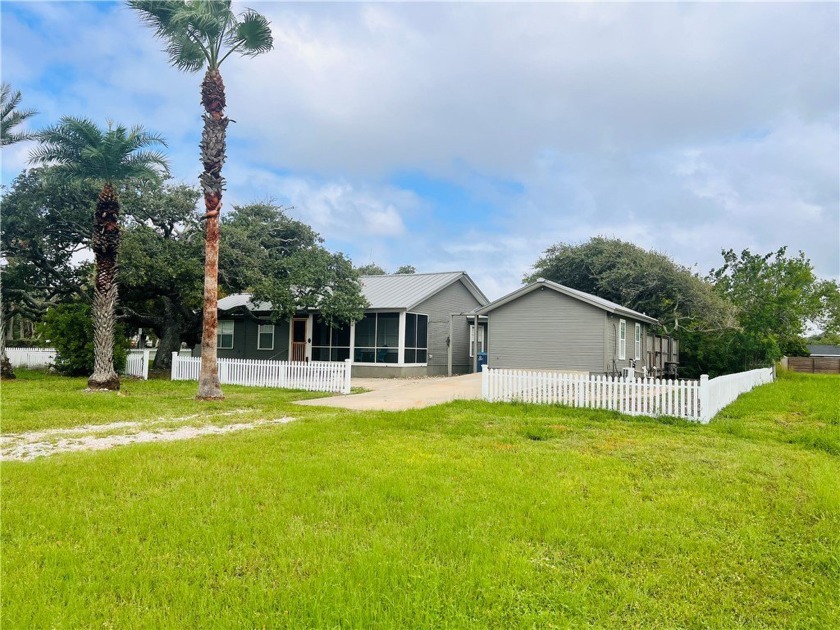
(106, 243)
(6, 371)
(170, 336)
(212, 158)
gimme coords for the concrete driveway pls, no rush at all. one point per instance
(397, 394)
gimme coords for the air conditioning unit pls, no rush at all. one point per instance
(628, 373)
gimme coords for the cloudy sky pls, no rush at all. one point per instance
(472, 136)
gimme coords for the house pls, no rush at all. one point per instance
(548, 326)
(414, 326)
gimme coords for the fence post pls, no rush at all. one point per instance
(347, 375)
(174, 370)
(145, 364)
(484, 383)
(705, 399)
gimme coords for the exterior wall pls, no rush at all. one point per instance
(245, 341)
(547, 330)
(453, 299)
(611, 361)
(386, 371)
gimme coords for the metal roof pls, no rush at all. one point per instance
(393, 291)
(242, 299)
(823, 350)
(405, 291)
(594, 300)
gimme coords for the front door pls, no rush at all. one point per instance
(299, 339)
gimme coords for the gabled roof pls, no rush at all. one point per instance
(405, 291)
(394, 291)
(588, 298)
(823, 350)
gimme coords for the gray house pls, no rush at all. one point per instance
(414, 326)
(548, 326)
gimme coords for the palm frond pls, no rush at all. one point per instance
(254, 32)
(81, 149)
(11, 117)
(186, 54)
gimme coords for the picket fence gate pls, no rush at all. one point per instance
(31, 357)
(137, 363)
(313, 376)
(693, 400)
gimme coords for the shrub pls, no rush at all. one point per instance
(69, 328)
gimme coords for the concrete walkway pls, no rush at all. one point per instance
(397, 394)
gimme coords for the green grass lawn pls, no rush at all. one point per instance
(463, 515)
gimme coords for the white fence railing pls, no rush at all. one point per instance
(31, 357)
(314, 376)
(137, 363)
(693, 400)
(719, 392)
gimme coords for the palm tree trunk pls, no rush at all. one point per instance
(106, 243)
(213, 158)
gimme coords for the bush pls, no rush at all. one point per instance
(69, 328)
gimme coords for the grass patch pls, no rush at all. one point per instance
(463, 515)
(36, 400)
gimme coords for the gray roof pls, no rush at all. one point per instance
(594, 300)
(242, 299)
(823, 350)
(393, 291)
(405, 291)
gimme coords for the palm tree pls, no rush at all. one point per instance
(82, 150)
(11, 117)
(199, 34)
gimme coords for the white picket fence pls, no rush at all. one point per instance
(31, 357)
(693, 400)
(137, 363)
(314, 376)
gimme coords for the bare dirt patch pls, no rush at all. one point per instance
(35, 444)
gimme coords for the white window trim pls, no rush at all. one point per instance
(260, 333)
(622, 340)
(403, 347)
(482, 330)
(638, 341)
(232, 335)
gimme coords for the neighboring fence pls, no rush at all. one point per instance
(314, 376)
(814, 365)
(31, 357)
(137, 363)
(694, 400)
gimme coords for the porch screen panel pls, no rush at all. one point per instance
(328, 343)
(378, 338)
(416, 342)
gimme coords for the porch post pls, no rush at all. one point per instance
(449, 347)
(475, 344)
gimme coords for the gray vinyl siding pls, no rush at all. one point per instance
(611, 351)
(245, 341)
(453, 299)
(547, 330)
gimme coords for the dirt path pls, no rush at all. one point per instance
(28, 446)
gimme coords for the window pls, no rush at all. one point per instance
(378, 338)
(265, 337)
(638, 342)
(416, 342)
(328, 343)
(622, 339)
(480, 338)
(224, 335)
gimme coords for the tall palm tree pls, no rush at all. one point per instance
(11, 116)
(202, 34)
(82, 150)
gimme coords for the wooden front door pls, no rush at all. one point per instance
(299, 339)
